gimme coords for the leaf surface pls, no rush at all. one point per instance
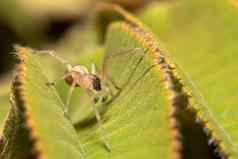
(136, 120)
(201, 36)
(42, 129)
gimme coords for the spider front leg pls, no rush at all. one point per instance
(53, 82)
(69, 96)
(70, 92)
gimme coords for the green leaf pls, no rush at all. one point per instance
(201, 37)
(37, 125)
(134, 128)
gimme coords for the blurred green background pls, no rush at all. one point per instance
(42, 24)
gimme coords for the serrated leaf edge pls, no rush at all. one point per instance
(170, 76)
(20, 90)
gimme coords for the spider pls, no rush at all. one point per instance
(91, 82)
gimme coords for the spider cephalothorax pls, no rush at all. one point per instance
(79, 75)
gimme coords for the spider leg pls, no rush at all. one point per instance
(52, 54)
(72, 87)
(118, 54)
(108, 87)
(53, 82)
(93, 69)
(101, 129)
(94, 99)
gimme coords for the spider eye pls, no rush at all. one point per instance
(96, 83)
